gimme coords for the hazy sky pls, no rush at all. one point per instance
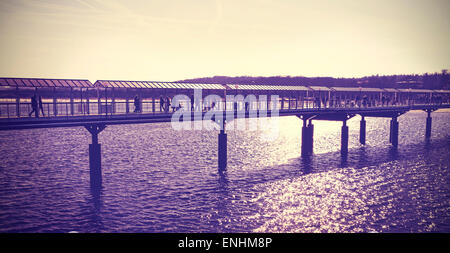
(168, 40)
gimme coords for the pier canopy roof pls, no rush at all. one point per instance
(44, 83)
(156, 85)
(356, 89)
(266, 87)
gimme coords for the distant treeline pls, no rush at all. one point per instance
(424, 81)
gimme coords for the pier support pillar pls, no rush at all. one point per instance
(95, 164)
(390, 131)
(307, 138)
(344, 138)
(362, 131)
(222, 151)
(428, 126)
(311, 137)
(394, 132)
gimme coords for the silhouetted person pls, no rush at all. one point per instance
(161, 104)
(41, 107)
(167, 104)
(192, 102)
(34, 107)
(137, 104)
(198, 106)
(364, 101)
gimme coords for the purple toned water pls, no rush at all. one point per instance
(156, 179)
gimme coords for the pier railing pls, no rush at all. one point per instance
(80, 108)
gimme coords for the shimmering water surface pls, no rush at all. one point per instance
(156, 179)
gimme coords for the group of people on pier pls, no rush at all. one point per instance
(166, 103)
(36, 106)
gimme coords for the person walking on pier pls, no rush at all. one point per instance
(364, 101)
(167, 106)
(41, 107)
(192, 102)
(34, 107)
(198, 105)
(161, 103)
(317, 101)
(137, 104)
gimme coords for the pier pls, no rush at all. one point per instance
(110, 103)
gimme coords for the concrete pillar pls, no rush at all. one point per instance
(95, 164)
(394, 132)
(305, 139)
(222, 150)
(390, 131)
(344, 138)
(428, 126)
(362, 131)
(311, 137)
